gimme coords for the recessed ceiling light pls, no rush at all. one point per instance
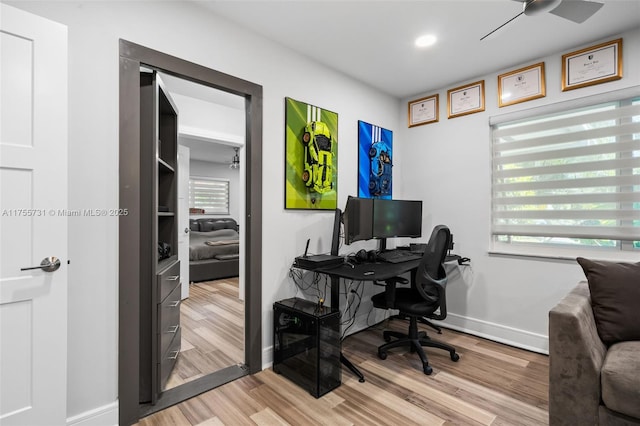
(426, 40)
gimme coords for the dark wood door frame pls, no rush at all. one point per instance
(132, 57)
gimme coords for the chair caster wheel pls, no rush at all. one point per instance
(382, 355)
(427, 370)
(454, 357)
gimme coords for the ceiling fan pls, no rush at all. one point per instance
(577, 11)
(235, 161)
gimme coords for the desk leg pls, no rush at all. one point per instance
(335, 301)
(352, 367)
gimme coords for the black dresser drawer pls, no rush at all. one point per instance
(168, 279)
(169, 319)
(168, 360)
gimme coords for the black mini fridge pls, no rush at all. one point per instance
(306, 345)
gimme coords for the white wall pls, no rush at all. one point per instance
(200, 168)
(448, 164)
(207, 119)
(183, 30)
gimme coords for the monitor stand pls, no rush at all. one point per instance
(382, 246)
(335, 287)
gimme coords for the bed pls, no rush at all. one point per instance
(213, 249)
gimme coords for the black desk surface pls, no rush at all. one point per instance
(369, 271)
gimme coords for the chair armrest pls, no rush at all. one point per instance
(576, 354)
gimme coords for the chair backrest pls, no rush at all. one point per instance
(431, 277)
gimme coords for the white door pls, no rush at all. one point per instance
(33, 224)
(184, 155)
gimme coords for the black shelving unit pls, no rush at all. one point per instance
(160, 293)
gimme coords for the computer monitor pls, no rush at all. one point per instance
(358, 219)
(335, 235)
(397, 218)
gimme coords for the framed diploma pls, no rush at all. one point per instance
(593, 65)
(423, 111)
(466, 99)
(521, 85)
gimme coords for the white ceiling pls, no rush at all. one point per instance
(372, 41)
(211, 150)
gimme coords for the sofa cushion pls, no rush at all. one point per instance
(620, 378)
(615, 298)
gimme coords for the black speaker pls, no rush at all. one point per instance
(164, 251)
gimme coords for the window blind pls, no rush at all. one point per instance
(572, 175)
(210, 195)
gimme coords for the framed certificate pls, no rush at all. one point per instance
(593, 65)
(521, 85)
(424, 111)
(466, 99)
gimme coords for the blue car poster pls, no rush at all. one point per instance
(375, 154)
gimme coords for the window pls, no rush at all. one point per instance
(209, 195)
(569, 178)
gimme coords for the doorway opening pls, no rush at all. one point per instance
(211, 188)
(132, 58)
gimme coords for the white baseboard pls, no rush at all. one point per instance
(500, 333)
(511, 336)
(107, 415)
(267, 357)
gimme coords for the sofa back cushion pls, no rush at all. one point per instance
(615, 298)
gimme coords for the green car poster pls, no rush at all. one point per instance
(311, 157)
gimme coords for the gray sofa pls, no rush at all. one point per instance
(590, 383)
(213, 249)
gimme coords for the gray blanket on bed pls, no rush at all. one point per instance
(220, 242)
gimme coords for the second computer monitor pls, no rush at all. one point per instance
(368, 218)
(397, 218)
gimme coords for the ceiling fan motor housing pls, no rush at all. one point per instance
(538, 7)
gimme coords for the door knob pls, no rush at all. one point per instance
(48, 264)
(186, 230)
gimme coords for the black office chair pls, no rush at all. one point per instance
(426, 298)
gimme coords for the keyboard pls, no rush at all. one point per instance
(398, 256)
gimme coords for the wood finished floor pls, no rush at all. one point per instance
(212, 322)
(491, 384)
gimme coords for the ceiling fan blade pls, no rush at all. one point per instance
(496, 29)
(577, 11)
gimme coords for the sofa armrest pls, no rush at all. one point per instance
(576, 354)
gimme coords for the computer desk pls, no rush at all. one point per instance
(367, 271)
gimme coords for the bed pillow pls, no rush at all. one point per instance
(615, 298)
(209, 225)
(217, 224)
(220, 224)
